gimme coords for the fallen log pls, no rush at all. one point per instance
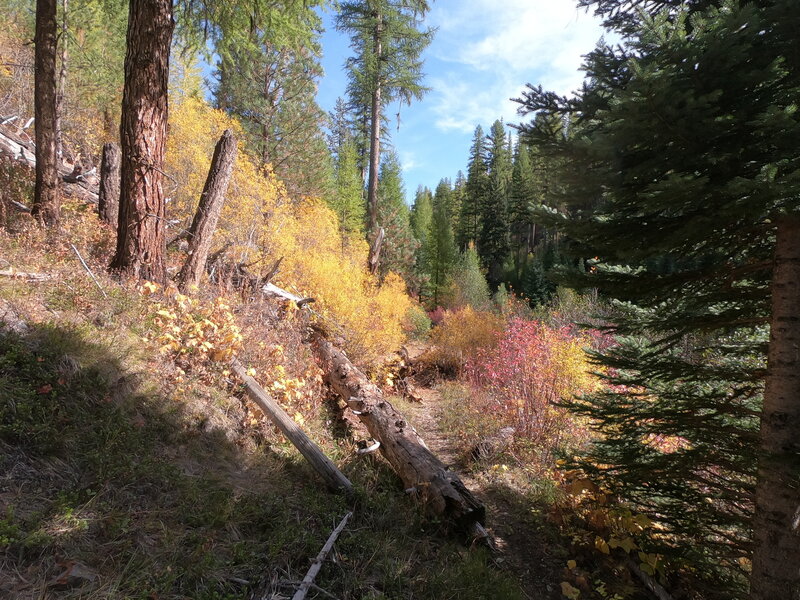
(422, 473)
(14, 274)
(335, 479)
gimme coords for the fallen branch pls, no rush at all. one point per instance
(308, 580)
(651, 584)
(273, 290)
(26, 276)
(335, 479)
(88, 270)
(440, 489)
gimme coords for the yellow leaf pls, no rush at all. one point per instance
(601, 545)
(570, 592)
(625, 543)
(251, 371)
(571, 564)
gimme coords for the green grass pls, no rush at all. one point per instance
(104, 468)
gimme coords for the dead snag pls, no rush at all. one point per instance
(208, 211)
(335, 479)
(108, 197)
(422, 473)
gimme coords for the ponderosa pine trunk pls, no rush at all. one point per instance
(108, 195)
(143, 133)
(47, 194)
(776, 560)
(208, 210)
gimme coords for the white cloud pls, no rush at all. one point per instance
(408, 161)
(493, 49)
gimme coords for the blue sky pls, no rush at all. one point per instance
(483, 54)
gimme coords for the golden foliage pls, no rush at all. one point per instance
(462, 334)
(262, 223)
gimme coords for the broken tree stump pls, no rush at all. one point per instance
(440, 489)
(208, 211)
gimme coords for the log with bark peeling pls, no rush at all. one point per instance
(422, 472)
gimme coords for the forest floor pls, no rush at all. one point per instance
(527, 544)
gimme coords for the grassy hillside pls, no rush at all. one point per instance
(127, 471)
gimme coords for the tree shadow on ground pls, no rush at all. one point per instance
(110, 489)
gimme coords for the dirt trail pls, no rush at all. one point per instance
(524, 547)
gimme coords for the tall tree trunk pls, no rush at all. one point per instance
(47, 195)
(62, 81)
(375, 137)
(776, 560)
(208, 211)
(108, 196)
(143, 133)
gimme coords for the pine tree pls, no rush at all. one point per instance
(422, 213)
(493, 243)
(47, 193)
(520, 197)
(399, 245)
(475, 188)
(469, 284)
(268, 80)
(439, 251)
(688, 136)
(347, 201)
(388, 42)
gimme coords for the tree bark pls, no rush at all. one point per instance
(47, 195)
(375, 137)
(62, 81)
(423, 474)
(108, 197)
(208, 210)
(143, 132)
(776, 559)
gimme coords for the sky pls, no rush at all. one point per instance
(482, 55)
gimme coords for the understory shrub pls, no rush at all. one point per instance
(530, 369)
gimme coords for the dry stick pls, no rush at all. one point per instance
(308, 580)
(310, 451)
(88, 270)
(651, 584)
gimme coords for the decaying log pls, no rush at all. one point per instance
(308, 580)
(208, 211)
(14, 274)
(108, 196)
(440, 489)
(333, 477)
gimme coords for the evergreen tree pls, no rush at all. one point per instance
(439, 251)
(493, 243)
(520, 197)
(399, 245)
(347, 202)
(689, 140)
(268, 80)
(422, 213)
(388, 42)
(475, 188)
(469, 283)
